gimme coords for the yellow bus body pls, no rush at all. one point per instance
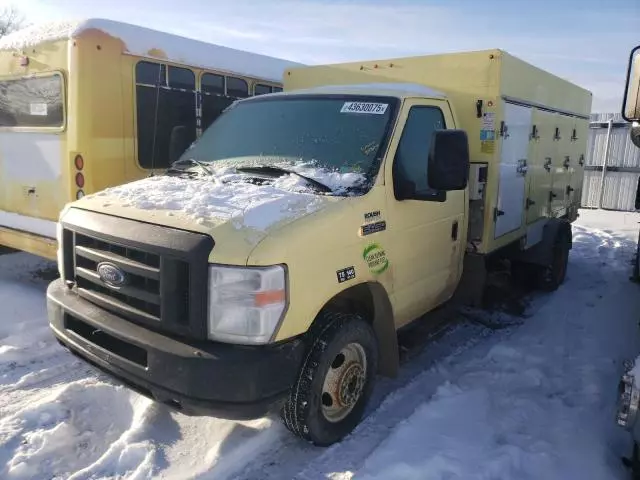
(93, 119)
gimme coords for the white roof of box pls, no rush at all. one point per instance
(141, 40)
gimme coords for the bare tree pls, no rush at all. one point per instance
(10, 20)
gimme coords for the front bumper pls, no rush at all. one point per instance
(194, 377)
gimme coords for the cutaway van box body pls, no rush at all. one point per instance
(527, 131)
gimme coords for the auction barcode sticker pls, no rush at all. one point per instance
(364, 107)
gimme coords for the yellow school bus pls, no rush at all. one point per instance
(96, 103)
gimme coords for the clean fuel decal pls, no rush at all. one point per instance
(376, 258)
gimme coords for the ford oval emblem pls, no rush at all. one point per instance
(111, 274)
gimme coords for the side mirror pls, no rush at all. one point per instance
(631, 100)
(178, 142)
(449, 160)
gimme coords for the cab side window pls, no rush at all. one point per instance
(410, 163)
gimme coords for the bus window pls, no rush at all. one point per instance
(148, 73)
(214, 100)
(262, 89)
(277, 89)
(176, 105)
(237, 88)
(182, 78)
(31, 102)
(213, 84)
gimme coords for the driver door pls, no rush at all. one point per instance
(426, 230)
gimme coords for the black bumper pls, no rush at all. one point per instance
(196, 378)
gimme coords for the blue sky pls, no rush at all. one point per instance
(585, 41)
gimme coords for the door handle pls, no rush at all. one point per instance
(454, 231)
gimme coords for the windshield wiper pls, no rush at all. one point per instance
(279, 172)
(202, 165)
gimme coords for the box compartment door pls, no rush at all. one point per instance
(561, 164)
(578, 159)
(509, 214)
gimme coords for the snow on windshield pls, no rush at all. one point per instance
(227, 195)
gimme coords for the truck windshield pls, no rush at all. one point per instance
(337, 133)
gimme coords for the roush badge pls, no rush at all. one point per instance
(372, 216)
(111, 274)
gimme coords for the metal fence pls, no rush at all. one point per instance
(612, 167)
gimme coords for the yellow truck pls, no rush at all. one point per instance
(271, 267)
(629, 383)
(91, 104)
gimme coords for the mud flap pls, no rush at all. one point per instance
(472, 284)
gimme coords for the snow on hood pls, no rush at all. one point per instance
(228, 196)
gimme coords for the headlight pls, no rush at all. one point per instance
(59, 250)
(246, 304)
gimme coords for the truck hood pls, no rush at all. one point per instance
(236, 213)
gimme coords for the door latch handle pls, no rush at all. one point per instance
(504, 130)
(497, 213)
(547, 164)
(454, 231)
(522, 167)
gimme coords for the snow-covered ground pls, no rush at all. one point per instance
(489, 397)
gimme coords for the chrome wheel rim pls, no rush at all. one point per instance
(344, 382)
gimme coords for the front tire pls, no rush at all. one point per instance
(335, 382)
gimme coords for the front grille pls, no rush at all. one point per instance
(165, 286)
(142, 291)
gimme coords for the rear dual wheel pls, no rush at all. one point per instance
(551, 276)
(335, 382)
(545, 277)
